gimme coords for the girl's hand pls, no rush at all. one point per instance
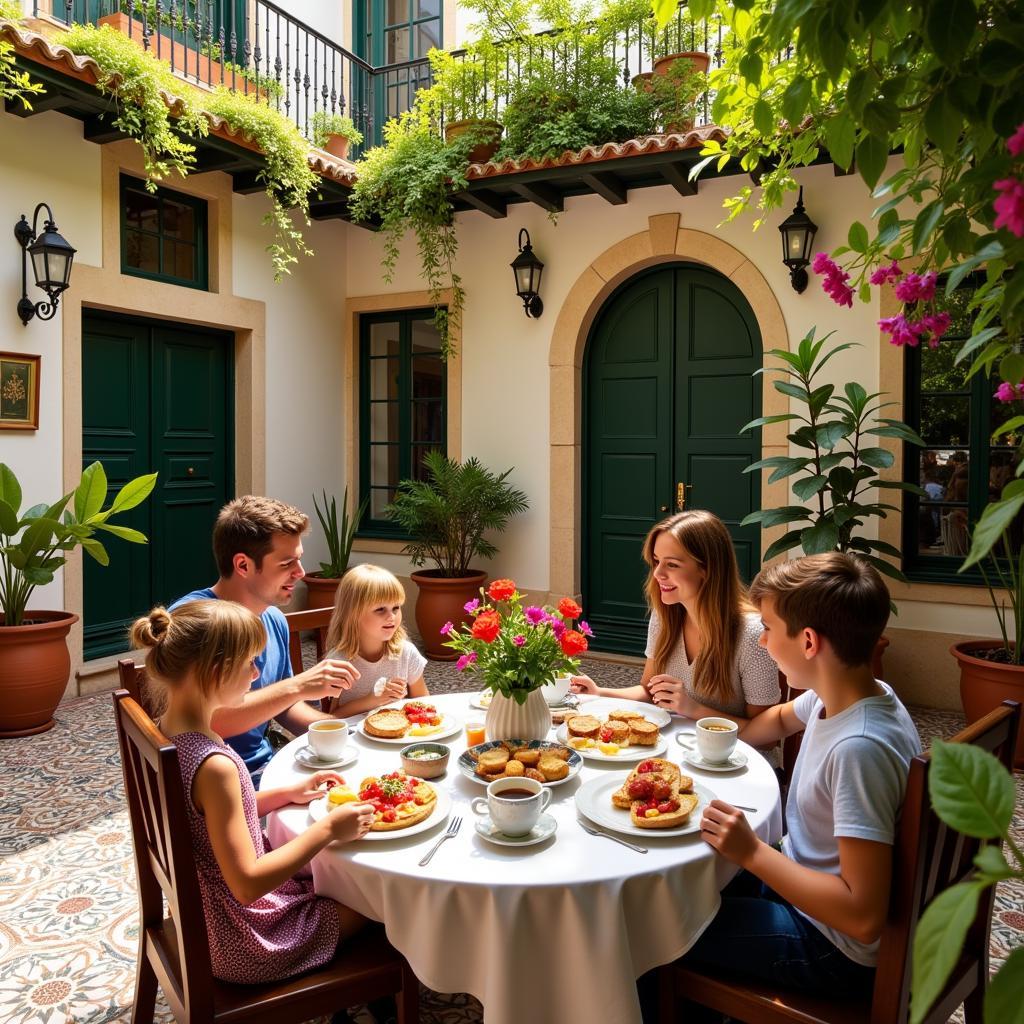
(310, 788)
(395, 689)
(669, 693)
(727, 830)
(582, 684)
(350, 821)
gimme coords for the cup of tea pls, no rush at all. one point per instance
(716, 739)
(327, 738)
(556, 691)
(515, 804)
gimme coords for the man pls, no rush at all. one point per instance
(257, 544)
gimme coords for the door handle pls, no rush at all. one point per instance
(664, 508)
(681, 489)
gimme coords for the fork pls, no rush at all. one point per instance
(453, 827)
(614, 839)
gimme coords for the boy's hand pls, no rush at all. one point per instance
(582, 684)
(306, 790)
(395, 689)
(669, 693)
(350, 821)
(726, 830)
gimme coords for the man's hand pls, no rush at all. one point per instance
(726, 830)
(326, 679)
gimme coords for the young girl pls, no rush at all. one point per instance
(366, 630)
(262, 923)
(703, 655)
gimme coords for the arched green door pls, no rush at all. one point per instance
(667, 386)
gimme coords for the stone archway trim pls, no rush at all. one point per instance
(664, 241)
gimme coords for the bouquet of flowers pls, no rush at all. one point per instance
(514, 650)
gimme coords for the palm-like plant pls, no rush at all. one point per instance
(339, 536)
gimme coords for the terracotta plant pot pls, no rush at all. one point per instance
(984, 685)
(487, 147)
(700, 61)
(337, 145)
(508, 720)
(320, 590)
(34, 670)
(441, 599)
(642, 82)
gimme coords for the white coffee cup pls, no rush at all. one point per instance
(716, 739)
(515, 804)
(557, 690)
(327, 738)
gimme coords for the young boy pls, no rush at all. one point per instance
(810, 917)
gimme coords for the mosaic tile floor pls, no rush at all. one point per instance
(68, 928)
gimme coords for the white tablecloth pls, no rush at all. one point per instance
(554, 932)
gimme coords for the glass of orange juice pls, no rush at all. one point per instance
(475, 733)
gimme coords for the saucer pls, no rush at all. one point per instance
(544, 829)
(305, 756)
(737, 759)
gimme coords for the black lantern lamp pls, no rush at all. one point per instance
(798, 232)
(51, 264)
(528, 270)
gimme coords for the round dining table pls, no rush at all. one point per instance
(557, 931)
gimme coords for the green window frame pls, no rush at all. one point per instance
(961, 463)
(150, 225)
(403, 407)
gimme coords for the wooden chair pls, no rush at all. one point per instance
(174, 952)
(928, 858)
(133, 679)
(313, 620)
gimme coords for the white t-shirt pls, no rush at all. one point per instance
(849, 780)
(755, 677)
(408, 664)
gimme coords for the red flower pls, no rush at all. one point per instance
(501, 590)
(487, 626)
(573, 643)
(569, 608)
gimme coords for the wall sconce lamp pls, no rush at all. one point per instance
(51, 264)
(528, 269)
(798, 232)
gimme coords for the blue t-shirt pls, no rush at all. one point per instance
(274, 664)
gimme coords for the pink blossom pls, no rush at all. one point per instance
(835, 279)
(534, 615)
(471, 606)
(519, 640)
(824, 264)
(557, 627)
(885, 274)
(936, 324)
(1010, 205)
(466, 659)
(917, 287)
(584, 628)
(1007, 392)
(447, 628)
(903, 332)
(1015, 143)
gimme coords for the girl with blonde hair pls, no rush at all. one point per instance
(263, 924)
(366, 630)
(703, 655)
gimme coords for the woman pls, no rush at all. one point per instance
(703, 655)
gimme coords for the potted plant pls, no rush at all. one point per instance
(321, 586)
(34, 661)
(334, 133)
(839, 467)
(675, 93)
(516, 651)
(464, 95)
(675, 43)
(446, 516)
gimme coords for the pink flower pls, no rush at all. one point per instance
(1010, 205)
(824, 264)
(917, 287)
(534, 615)
(557, 627)
(584, 628)
(447, 628)
(835, 282)
(471, 606)
(885, 274)
(466, 659)
(1015, 143)
(936, 324)
(519, 640)
(1007, 392)
(903, 332)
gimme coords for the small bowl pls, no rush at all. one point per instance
(425, 768)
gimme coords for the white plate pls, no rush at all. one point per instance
(482, 700)
(625, 754)
(449, 727)
(318, 808)
(544, 829)
(466, 763)
(305, 756)
(594, 801)
(736, 760)
(600, 708)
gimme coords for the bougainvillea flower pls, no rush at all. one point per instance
(501, 590)
(885, 274)
(835, 279)
(903, 332)
(917, 287)
(1007, 392)
(936, 324)
(1015, 143)
(1009, 206)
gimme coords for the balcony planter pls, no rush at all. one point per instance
(35, 667)
(700, 61)
(320, 589)
(442, 599)
(489, 132)
(985, 684)
(337, 145)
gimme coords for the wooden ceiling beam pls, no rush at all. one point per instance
(485, 201)
(678, 177)
(608, 186)
(544, 196)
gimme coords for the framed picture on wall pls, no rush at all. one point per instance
(19, 391)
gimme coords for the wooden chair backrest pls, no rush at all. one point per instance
(133, 678)
(929, 857)
(164, 861)
(312, 620)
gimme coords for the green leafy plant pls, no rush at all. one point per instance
(323, 124)
(973, 793)
(676, 93)
(137, 83)
(840, 465)
(447, 514)
(339, 536)
(35, 543)
(14, 84)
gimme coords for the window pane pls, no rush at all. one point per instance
(428, 8)
(179, 260)
(383, 465)
(384, 374)
(397, 12)
(427, 377)
(179, 221)
(419, 471)
(397, 44)
(945, 420)
(427, 36)
(428, 422)
(384, 339)
(1002, 468)
(141, 252)
(939, 371)
(380, 498)
(384, 421)
(141, 210)
(425, 337)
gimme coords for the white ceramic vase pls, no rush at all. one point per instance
(508, 720)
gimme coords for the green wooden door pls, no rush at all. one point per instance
(155, 397)
(667, 385)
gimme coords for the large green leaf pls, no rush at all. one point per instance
(949, 26)
(134, 493)
(872, 154)
(997, 517)
(1004, 1001)
(764, 421)
(970, 790)
(775, 516)
(938, 942)
(942, 122)
(857, 237)
(124, 532)
(830, 434)
(8, 519)
(879, 458)
(664, 11)
(991, 862)
(925, 224)
(97, 550)
(10, 489)
(785, 543)
(819, 538)
(808, 486)
(91, 492)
